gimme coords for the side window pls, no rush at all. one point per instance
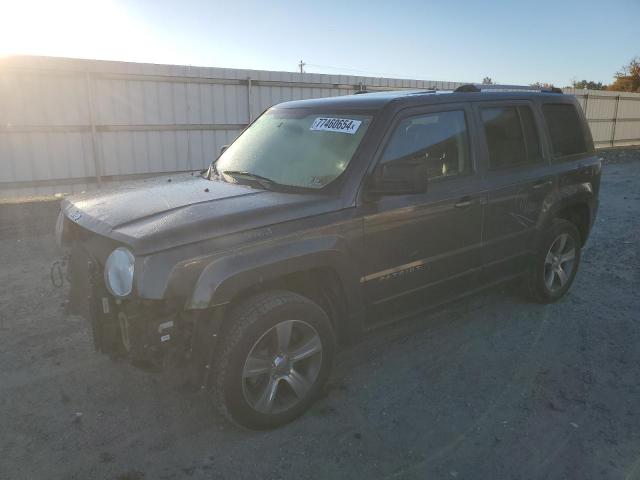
(512, 137)
(441, 139)
(567, 137)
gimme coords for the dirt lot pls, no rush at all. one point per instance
(491, 387)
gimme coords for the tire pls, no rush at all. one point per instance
(265, 345)
(545, 282)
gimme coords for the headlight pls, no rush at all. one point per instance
(118, 272)
(59, 229)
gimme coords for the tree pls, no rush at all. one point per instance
(487, 81)
(627, 79)
(588, 85)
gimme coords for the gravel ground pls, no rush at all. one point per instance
(490, 387)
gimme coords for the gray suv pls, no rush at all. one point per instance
(325, 219)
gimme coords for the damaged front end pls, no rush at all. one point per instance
(154, 334)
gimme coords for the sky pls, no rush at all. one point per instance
(513, 42)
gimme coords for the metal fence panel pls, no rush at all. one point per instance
(69, 125)
(629, 108)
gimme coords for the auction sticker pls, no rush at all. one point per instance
(340, 125)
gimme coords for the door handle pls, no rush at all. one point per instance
(464, 202)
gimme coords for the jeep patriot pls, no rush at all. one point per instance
(324, 219)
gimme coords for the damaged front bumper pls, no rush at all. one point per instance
(150, 333)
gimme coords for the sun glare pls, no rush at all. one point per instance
(71, 28)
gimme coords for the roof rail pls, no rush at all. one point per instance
(403, 91)
(475, 87)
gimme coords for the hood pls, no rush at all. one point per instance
(165, 212)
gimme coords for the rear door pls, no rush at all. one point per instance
(518, 181)
(423, 249)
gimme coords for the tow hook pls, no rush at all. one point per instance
(59, 272)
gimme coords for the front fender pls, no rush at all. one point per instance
(226, 276)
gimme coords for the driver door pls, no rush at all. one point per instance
(423, 249)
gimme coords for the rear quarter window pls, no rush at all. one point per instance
(565, 129)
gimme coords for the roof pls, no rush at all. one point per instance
(378, 100)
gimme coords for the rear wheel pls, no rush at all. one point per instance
(273, 360)
(556, 262)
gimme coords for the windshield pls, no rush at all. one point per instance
(295, 148)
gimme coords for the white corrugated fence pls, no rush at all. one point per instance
(69, 125)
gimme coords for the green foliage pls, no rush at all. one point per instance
(590, 85)
(487, 81)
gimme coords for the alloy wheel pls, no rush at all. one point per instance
(282, 366)
(559, 262)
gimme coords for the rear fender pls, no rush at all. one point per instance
(564, 197)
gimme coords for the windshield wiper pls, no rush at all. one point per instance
(264, 181)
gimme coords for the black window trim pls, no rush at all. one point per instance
(524, 136)
(542, 158)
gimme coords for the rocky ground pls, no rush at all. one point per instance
(490, 387)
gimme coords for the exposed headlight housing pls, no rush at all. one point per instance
(59, 229)
(118, 272)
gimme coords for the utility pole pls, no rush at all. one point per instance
(301, 65)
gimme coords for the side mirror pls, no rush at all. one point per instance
(223, 148)
(404, 176)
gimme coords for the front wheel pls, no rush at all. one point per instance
(273, 360)
(556, 262)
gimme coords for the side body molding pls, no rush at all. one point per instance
(230, 274)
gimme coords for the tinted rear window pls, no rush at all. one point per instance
(511, 135)
(567, 137)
